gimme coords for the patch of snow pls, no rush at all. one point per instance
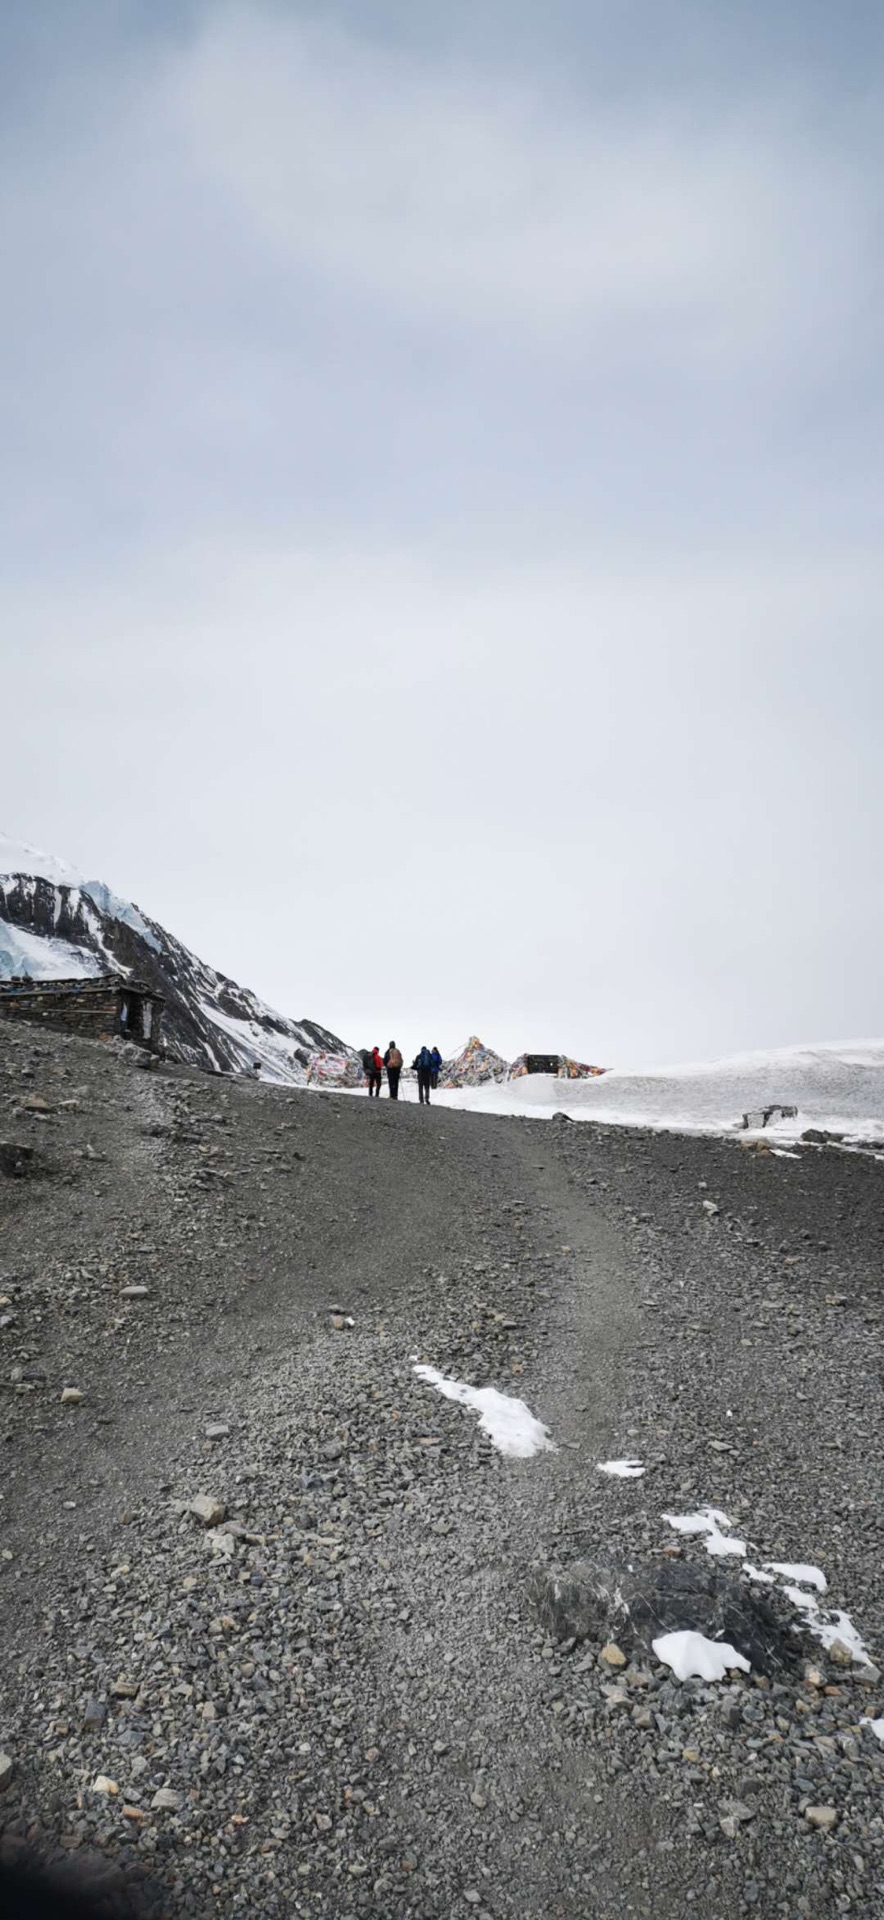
(692, 1657)
(44, 959)
(792, 1577)
(837, 1087)
(622, 1469)
(708, 1521)
(829, 1627)
(510, 1425)
(274, 1051)
(117, 909)
(17, 857)
(805, 1576)
(877, 1727)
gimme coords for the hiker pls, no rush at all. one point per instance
(375, 1073)
(393, 1064)
(435, 1068)
(423, 1066)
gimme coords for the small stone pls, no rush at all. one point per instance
(124, 1689)
(218, 1430)
(103, 1784)
(478, 1799)
(813, 1677)
(166, 1800)
(711, 1207)
(7, 1769)
(729, 1826)
(134, 1293)
(94, 1716)
(71, 1396)
(825, 1818)
(613, 1655)
(840, 1654)
(208, 1510)
(323, 1822)
(643, 1718)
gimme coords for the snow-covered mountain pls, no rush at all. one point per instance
(55, 925)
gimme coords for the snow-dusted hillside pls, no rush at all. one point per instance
(839, 1087)
(55, 925)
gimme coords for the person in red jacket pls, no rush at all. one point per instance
(375, 1074)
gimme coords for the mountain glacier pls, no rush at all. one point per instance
(54, 925)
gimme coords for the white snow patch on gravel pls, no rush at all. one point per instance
(877, 1727)
(792, 1577)
(804, 1575)
(510, 1425)
(692, 1657)
(622, 1469)
(708, 1521)
(829, 1627)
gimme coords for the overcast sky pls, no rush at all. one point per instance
(441, 500)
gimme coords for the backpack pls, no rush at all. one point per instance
(395, 1060)
(425, 1059)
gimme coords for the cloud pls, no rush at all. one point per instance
(515, 208)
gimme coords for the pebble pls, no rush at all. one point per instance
(165, 1800)
(823, 1817)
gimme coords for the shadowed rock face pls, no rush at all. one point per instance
(633, 1605)
(192, 989)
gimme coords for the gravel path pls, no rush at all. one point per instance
(331, 1690)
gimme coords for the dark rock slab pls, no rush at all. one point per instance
(602, 1601)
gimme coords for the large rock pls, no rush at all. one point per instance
(15, 1160)
(208, 1510)
(633, 1605)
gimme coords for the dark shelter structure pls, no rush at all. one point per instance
(108, 1006)
(542, 1062)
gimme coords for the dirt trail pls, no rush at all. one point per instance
(340, 1701)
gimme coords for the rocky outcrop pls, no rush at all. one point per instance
(633, 1604)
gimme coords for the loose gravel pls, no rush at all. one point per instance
(269, 1601)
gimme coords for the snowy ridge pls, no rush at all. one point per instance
(56, 925)
(835, 1086)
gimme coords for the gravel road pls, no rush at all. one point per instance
(334, 1690)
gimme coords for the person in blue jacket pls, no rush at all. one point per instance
(423, 1067)
(435, 1068)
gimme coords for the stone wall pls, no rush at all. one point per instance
(93, 1012)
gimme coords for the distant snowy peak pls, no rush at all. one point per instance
(56, 925)
(17, 857)
(17, 860)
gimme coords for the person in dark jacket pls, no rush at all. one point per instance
(423, 1066)
(435, 1068)
(375, 1074)
(393, 1064)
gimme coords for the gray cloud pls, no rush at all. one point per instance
(442, 579)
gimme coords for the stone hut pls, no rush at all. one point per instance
(107, 1006)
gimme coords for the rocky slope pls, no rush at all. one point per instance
(54, 925)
